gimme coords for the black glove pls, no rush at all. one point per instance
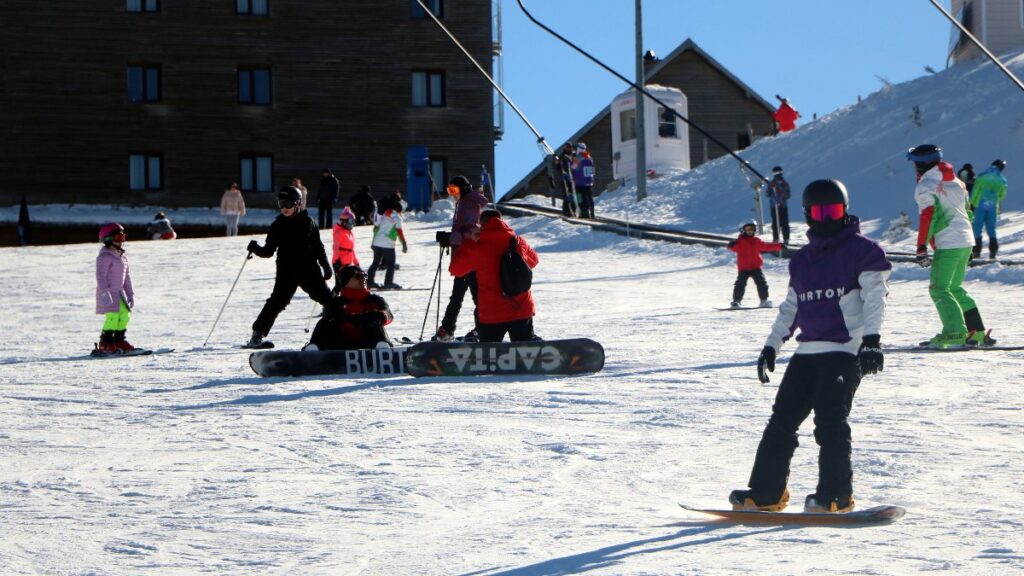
(765, 363)
(731, 243)
(921, 257)
(327, 271)
(444, 239)
(253, 246)
(870, 355)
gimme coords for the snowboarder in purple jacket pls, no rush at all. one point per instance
(836, 298)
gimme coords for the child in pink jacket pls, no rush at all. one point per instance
(114, 294)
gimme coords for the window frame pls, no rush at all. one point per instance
(144, 95)
(253, 178)
(246, 8)
(252, 86)
(429, 88)
(627, 125)
(147, 176)
(441, 184)
(666, 117)
(435, 6)
(145, 6)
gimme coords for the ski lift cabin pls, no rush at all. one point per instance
(667, 144)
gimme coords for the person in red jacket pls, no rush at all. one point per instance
(481, 252)
(785, 117)
(344, 251)
(353, 320)
(748, 248)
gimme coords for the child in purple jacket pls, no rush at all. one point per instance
(836, 298)
(115, 297)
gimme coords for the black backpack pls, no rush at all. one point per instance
(516, 276)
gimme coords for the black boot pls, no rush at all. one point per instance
(106, 345)
(976, 251)
(993, 247)
(976, 333)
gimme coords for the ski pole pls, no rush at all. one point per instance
(310, 319)
(435, 284)
(248, 256)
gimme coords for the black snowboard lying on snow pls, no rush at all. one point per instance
(554, 357)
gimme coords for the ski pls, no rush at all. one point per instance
(399, 289)
(565, 357)
(875, 516)
(367, 362)
(920, 348)
(136, 352)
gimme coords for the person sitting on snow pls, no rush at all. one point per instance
(353, 320)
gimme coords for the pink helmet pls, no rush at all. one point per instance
(108, 231)
(347, 214)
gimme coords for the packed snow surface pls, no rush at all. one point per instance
(187, 462)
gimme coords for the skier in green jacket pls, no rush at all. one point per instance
(987, 202)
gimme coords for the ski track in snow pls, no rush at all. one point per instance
(187, 462)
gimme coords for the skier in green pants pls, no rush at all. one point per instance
(945, 223)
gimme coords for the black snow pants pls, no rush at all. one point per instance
(825, 383)
(459, 287)
(287, 281)
(740, 287)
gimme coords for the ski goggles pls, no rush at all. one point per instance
(822, 212)
(285, 204)
(453, 190)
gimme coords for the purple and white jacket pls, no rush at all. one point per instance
(113, 281)
(837, 291)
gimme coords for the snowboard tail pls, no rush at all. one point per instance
(366, 362)
(552, 357)
(876, 516)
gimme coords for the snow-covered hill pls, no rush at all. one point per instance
(972, 111)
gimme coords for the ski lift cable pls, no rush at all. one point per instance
(743, 163)
(978, 43)
(545, 149)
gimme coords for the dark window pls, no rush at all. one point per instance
(438, 175)
(143, 5)
(145, 171)
(253, 7)
(143, 83)
(667, 123)
(627, 125)
(435, 6)
(257, 173)
(428, 88)
(742, 140)
(254, 86)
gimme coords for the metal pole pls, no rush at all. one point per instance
(641, 140)
(248, 256)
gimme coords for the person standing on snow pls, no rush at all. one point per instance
(387, 230)
(363, 206)
(115, 296)
(836, 298)
(343, 252)
(232, 208)
(481, 253)
(583, 177)
(301, 261)
(987, 202)
(778, 198)
(945, 224)
(326, 196)
(785, 117)
(748, 248)
(469, 204)
(564, 163)
(966, 175)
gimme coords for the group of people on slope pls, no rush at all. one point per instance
(576, 170)
(987, 192)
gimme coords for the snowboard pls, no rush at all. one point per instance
(878, 515)
(265, 345)
(563, 357)
(367, 362)
(136, 352)
(920, 348)
(729, 309)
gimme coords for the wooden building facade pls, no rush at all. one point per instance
(998, 24)
(161, 102)
(719, 102)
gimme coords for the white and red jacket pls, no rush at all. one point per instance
(942, 201)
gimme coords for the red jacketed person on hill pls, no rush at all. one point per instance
(785, 117)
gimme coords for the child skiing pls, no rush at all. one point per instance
(296, 239)
(987, 202)
(946, 225)
(115, 297)
(387, 229)
(344, 250)
(748, 248)
(353, 320)
(836, 297)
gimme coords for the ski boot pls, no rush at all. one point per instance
(255, 341)
(753, 500)
(122, 345)
(442, 335)
(993, 248)
(980, 338)
(106, 345)
(766, 303)
(734, 304)
(824, 503)
(392, 286)
(471, 336)
(946, 340)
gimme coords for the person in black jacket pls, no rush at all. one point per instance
(326, 196)
(363, 206)
(301, 261)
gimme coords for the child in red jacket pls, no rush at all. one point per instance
(748, 248)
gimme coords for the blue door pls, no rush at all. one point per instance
(417, 180)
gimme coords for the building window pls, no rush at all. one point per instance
(667, 123)
(257, 173)
(143, 83)
(428, 88)
(145, 171)
(438, 171)
(627, 125)
(253, 7)
(436, 7)
(143, 5)
(742, 140)
(254, 86)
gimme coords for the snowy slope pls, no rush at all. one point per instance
(973, 111)
(187, 462)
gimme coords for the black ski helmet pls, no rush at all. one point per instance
(777, 170)
(826, 192)
(462, 183)
(925, 154)
(289, 194)
(999, 164)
